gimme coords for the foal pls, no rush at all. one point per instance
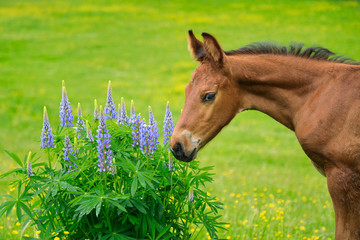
(307, 90)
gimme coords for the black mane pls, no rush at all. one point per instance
(294, 49)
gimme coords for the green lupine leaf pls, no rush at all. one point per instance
(6, 206)
(26, 209)
(18, 211)
(134, 186)
(15, 158)
(116, 204)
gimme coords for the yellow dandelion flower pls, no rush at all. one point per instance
(228, 237)
(323, 228)
(14, 232)
(271, 205)
(279, 190)
(66, 232)
(38, 232)
(232, 194)
(303, 198)
(1, 227)
(26, 235)
(17, 224)
(227, 225)
(302, 228)
(56, 238)
(288, 236)
(192, 230)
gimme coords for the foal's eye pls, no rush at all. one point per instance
(208, 97)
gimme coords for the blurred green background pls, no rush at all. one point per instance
(141, 46)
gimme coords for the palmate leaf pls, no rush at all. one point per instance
(88, 203)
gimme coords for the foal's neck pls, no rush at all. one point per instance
(278, 85)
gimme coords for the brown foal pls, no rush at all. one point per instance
(307, 90)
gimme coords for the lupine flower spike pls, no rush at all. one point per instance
(96, 111)
(66, 116)
(169, 125)
(29, 170)
(132, 111)
(80, 124)
(47, 137)
(110, 110)
(171, 163)
(144, 137)
(135, 124)
(103, 140)
(89, 135)
(153, 133)
(122, 117)
(68, 149)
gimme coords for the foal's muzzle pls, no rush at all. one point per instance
(179, 153)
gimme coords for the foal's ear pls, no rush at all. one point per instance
(195, 47)
(213, 49)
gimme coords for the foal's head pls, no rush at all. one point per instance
(210, 101)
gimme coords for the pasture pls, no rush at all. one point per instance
(268, 185)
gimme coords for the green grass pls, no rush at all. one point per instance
(141, 46)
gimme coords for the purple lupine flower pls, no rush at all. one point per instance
(103, 140)
(68, 149)
(96, 111)
(153, 133)
(135, 125)
(144, 135)
(122, 117)
(89, 135)
(80, 124)
(29, 170)
(110, 110)
(171, 163)
(169, 125)
(66, 116)
(47, 137)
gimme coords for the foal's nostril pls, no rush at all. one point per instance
(178, 150)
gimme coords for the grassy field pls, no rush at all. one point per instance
(268, 185)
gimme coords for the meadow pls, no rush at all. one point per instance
(268, 185)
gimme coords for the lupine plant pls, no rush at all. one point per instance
(122, 185)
